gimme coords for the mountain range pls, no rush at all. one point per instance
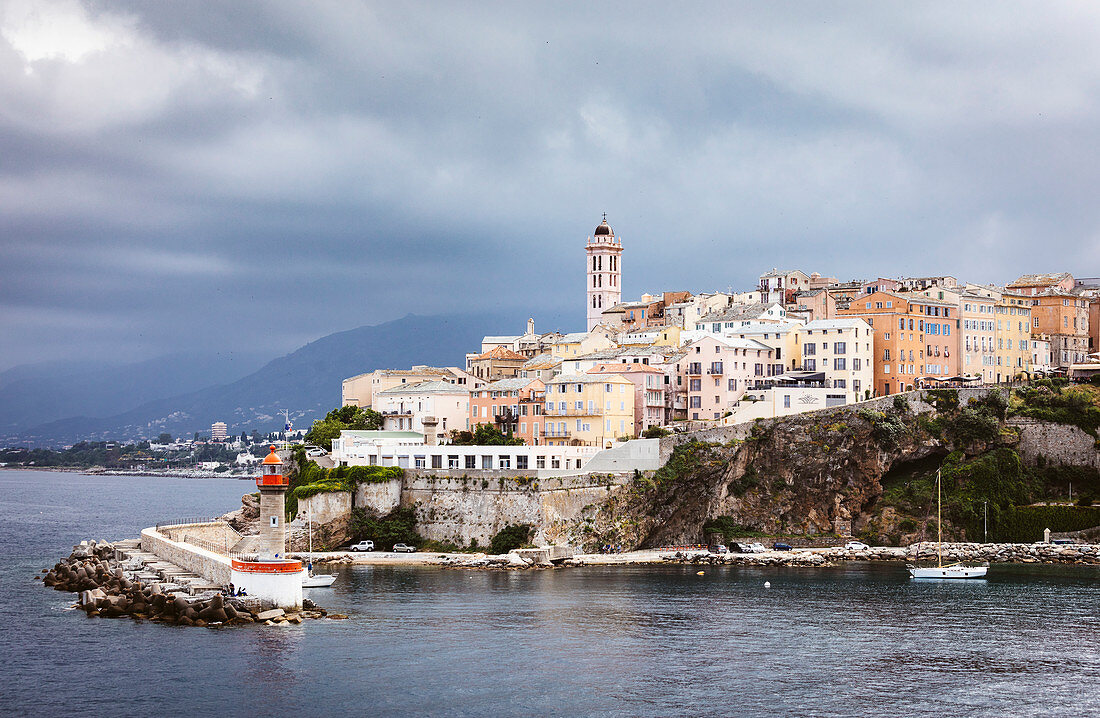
(58, 404)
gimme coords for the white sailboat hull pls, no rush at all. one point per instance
(320, 580)
(948, 572)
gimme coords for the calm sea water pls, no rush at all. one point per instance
(856, 640)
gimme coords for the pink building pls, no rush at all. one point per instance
(717, 371)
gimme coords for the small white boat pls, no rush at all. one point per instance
(309, 580)
(948, 571)
(956, 570)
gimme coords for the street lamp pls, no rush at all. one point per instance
(985, 521)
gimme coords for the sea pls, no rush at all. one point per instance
(860, 639)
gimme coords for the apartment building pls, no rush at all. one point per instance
(915, 338)
(781, 338)
(359, 390)
(588, 409)
(843, 351)
(1064, 318)
(514, 406)
(403, 408)
(718, 370)
(649, 392)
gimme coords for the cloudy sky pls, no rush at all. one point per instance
(251, 176)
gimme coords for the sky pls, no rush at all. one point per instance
(252, 176)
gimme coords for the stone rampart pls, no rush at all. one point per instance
(199, 561)
(1058, 444)
(325, 507)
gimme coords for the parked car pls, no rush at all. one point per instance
(315, 453)
(741, 548)
(856, 546)
(719, 548)
(404, 548)
(757, 548)
(362, 546)
(778, 546)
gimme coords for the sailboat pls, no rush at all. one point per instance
(956, 570)
(309, 579)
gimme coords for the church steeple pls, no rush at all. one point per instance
(604, 254)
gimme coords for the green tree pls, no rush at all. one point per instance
(164, 438)
(357, 418)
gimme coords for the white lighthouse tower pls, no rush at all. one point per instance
(604, 254)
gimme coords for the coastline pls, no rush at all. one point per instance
(1040, 553)
(102, 471)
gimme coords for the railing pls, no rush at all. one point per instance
(175, 523)
(556, 434)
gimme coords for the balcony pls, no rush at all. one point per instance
(695, 369)
(715, 369)
(555, 434)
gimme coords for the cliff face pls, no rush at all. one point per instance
(815, 473)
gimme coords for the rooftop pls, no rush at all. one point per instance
(1040, 280)
(426, 387)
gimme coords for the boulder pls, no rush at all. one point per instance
(268, 615)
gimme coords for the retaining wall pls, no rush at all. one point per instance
(1056, 443)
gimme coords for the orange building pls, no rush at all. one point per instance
(916, 337)
(1064, 317)
(511, 405)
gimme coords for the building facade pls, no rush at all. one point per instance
(588, 409)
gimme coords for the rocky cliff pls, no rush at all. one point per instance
(824, 472)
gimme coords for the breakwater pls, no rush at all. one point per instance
(1079, 554)
(116, 580)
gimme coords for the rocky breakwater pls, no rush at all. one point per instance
(969, 553)
(112, 588)
(769, 558)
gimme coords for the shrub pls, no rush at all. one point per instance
(945, 400)
(512, 536)
(655, 432)
(398, 526)
(728, 528)
(901, 404)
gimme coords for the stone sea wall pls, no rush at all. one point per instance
(207, 564)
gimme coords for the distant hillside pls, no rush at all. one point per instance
(34, 394)
(307, 382)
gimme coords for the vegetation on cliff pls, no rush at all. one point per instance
(1049, 400)
(398, 526)
(511, 537)
(307, 478)
(325, 430)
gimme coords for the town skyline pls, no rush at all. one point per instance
(172, 177)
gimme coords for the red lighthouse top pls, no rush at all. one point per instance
(272, 475)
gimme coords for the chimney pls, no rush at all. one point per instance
(431, 438)
(531, 326)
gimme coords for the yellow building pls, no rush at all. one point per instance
(1013, 336)
(588, 410)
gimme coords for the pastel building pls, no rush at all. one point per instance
(978, 336)
(588, 409)
(649, 392)
(843, 351)
(359, 390)
(718, 370)
(404, 408)
(915, 338)
(514, 406)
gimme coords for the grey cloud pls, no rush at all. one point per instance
(335, 164)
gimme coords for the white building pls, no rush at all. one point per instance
(844, 350)
(403, 408)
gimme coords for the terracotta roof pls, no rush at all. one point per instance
(501, 353)
(1040, 280)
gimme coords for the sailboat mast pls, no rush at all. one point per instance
(939, 523)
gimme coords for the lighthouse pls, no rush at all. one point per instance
(272, 485)
(270, 576)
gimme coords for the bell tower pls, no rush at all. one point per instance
(604, 254)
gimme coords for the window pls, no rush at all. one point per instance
(695, 384)
(471, 462)
(540, 462)
(437, 461)
(840, 364)
(486, 461)
(695, 402)
(504, 462)
(786, 401)
(840, 347)
(809, 349)
(521, 461)
(607, 388)
(811, 365)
